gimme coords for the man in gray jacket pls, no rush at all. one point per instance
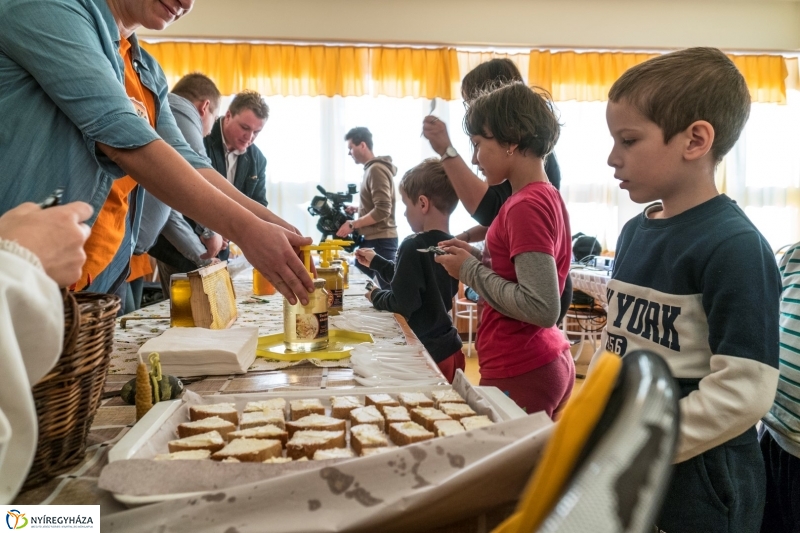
(375, 222)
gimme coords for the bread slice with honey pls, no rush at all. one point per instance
(367, 436)
(255, 419)
(305, 407)
(211, 441)
(249, 450)
(188, 454)
(396, 414)
(226, 411)
(403, 433)
(444, 428)
(457, 411)
(306, 443)
(342, 405)
(334, 453)
(273, 404)
(261, 432)
(204, 425)
(367, 415)
(315, 422)
(426, 416)
(412, 400)
(475, 422)
(446, 396)
(380, 401)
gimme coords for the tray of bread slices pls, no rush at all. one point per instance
(212, 433)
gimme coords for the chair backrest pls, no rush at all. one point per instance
(607, 465)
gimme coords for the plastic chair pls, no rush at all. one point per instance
(583, 323)
(607, 466)
(465, 308)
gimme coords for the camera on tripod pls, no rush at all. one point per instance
(330, 208)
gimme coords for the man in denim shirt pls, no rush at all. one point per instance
(62, 94)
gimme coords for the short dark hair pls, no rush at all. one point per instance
(515, 114)
(677, 89)
(429, 179)
(359, 135)
(197, 87)
(251, 100)
(497, 70)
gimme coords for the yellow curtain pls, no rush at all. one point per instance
(270, 69)
(588, 76)
(416, 72)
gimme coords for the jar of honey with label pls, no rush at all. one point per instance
(335, 286)
(305, 327)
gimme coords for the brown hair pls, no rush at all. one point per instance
(359, 135)
(197, 87)
(515, 114)
(429, 179)
(492, 72)
(251, 100)
(677, 89)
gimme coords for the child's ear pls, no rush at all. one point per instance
(700, 136)
(424, 203)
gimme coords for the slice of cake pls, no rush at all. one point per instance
(211, 441)
(456, 411)
(474, 422)
(342, 405)
(310, 406)
(426, 416)
(188, 454)
(412, 400)
(396, 414)
(226, 411)
(249, 450)
(403, 433)
(306, 443)
(380, 401)
(273, 404)
(204, 425)
(444, 428)
(367, 415)
(315, 422)
(333, 453)
(446, 396)
(367, 436)
(262, 418)
(261, 432)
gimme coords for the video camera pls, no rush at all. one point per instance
(330, 209)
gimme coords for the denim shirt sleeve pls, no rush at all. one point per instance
(67, 48)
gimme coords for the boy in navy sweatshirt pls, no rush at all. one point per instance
(681, 289)
(421, 290)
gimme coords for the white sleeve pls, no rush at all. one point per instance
(31, 332)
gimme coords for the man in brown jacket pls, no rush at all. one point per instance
(375, 222)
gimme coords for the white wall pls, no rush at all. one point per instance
(643, 24)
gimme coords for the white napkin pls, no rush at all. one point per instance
(189, 352)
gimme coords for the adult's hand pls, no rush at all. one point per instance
(453, 259)
(365, 255)
(56, 235)
(351, 209)
(435, 131)
(275, 252)
(344, 230)
(213, 244)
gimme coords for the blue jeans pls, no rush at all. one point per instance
(386, 248)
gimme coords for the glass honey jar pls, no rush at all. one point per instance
(345, 271)
(305, 327)
(180, 302)
(335, 286)
(261, 285)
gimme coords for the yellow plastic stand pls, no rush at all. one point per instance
(339, 345)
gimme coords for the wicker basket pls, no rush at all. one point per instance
(68, 397)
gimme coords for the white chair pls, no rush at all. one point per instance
(582, 324)
(467, 309)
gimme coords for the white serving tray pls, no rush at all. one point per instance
(501, 409)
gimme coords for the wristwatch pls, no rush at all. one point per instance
(350, 223)
(207, 233)
(450, 152)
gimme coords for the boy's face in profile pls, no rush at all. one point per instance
(647, 168)
(414, 214)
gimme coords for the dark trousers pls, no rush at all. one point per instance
(386, 248)
(782, 510)
(719, 491)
